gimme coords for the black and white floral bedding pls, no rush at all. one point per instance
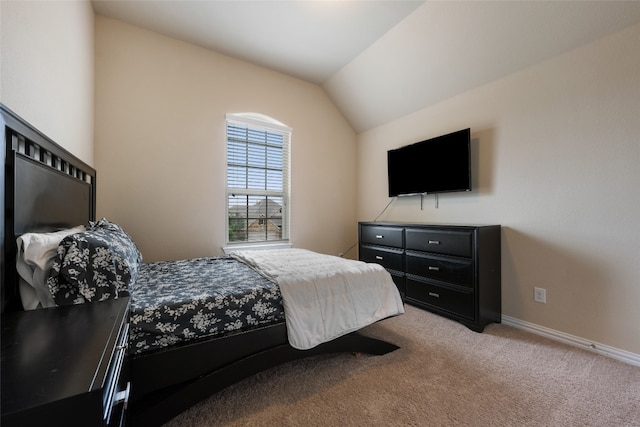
(178, 301)
(172, 302)
(94, 265)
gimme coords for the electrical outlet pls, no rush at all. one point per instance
(540, 295)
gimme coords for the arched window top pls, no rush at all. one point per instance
(257, 119)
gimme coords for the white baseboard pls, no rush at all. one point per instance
(605, 350)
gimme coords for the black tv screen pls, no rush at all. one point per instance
(436, 165)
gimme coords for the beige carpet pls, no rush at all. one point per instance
(443, 375)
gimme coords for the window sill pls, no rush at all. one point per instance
(256, 246)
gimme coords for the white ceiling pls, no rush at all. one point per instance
(380, 60)
(306, 39)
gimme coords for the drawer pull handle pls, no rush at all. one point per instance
(433, 294)
(122, 396)
(434, 242)
(434, 268)
(379, 236)
(378, 257)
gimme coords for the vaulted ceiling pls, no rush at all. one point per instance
(381, 60)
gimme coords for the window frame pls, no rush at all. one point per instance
(261, 123)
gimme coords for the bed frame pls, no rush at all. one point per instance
(47, 188)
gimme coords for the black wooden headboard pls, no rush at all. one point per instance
(45, 188)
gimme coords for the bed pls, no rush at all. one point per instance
(196, 352)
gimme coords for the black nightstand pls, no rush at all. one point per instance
(66, 365)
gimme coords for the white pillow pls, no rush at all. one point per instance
(36, 252)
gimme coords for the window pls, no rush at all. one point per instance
(257, 179)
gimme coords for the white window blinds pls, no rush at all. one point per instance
(257, 179)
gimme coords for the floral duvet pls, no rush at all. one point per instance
(174, 302)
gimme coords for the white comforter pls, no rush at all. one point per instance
(325, 296)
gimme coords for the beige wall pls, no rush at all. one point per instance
(160, 144)
(46, 69)
(555, 161)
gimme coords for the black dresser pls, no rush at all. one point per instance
(65, 366)
(453, 271)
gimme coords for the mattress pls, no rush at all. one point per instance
(176, 302)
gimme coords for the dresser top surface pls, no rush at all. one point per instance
(425, 225)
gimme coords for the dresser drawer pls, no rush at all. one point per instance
(386, 257)
(116, 391)
(457, 302)
(381, 235)
(399, 280)
(446, 242)
(452, 270)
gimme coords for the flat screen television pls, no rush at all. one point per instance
(437, 165)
